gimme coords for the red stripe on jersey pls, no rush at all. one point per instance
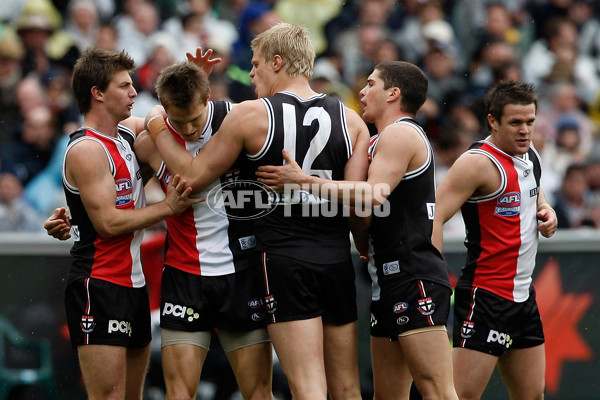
(498, 236)
(182, 251)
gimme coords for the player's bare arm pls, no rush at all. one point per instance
(470, 175)
(87, 169)
(244, 127)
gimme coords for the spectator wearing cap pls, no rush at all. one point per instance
(49, 49)
(11, 54)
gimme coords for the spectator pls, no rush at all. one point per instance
(107, 37)
(161, 55)
(356, 44)
(570, 201)
(583, 14)
(135, 27)
(559, 46)
(202, 21)
(567, 148)
(11, 54)
(15, 214)
(83, 23)
(256, 18)
(561, 99)
(31, 152)
(314, 14)
(49, 49)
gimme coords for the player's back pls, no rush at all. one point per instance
(314, 132)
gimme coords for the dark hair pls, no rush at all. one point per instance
(509, 92)
(182, 85)
(97, 67)
(407, 77)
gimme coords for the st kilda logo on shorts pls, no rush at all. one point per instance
(467, 330)
(426, 306)
(270, 303)
(87, 323)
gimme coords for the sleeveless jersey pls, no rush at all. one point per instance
(502, 233)
(115, 259)
(213, 237)
(400, 243)
(300, 225)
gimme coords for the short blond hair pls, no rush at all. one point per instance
(292, 43)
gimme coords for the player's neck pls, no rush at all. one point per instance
(101, 123)
(298, 85)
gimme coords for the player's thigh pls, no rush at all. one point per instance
(472, 371)
(253, 369)
(340, 346)
(137, 366)
(182, 366)
(391, 376)
(104, 370)
(523, 370)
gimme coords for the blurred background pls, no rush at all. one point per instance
(463, 46)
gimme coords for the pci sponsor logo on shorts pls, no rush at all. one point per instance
(509, 204)
(426, 306)
(182, 312)
(501, 338)
(373, 320)
(87, 323)
(402, 320)
(119, 326)
(392, 267)
(467, 330)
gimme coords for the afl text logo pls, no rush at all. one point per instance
(400, 307)
(123, 189)
(509, 204)
(239, 195)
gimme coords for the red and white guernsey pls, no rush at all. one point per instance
(115, 259)
(203, 240)
(502, 233)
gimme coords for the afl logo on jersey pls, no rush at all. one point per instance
(166, 178)
(509, 204)
(124, 192)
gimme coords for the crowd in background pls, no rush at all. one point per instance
(463, 46)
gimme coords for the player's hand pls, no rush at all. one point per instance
(204, 61)
(58, 225)
(179, 195)
(276, 176)
(154, 111)
(547, 222)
